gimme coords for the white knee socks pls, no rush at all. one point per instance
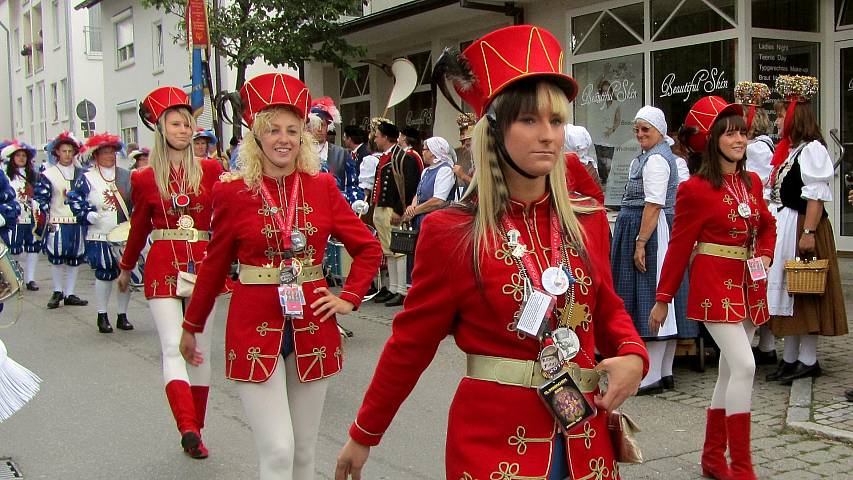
(668, 358)
(792, 348)
(70, 279)
(733, 390)
(766, 339)
(103, 289)
(802, 348)
(402, 288)
(123, 300)
(393, 279)
(656, 350)
(57, 273)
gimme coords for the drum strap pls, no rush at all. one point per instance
(120, 200)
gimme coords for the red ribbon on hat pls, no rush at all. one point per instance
(784, 147)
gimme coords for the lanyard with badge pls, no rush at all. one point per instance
(290, 294)
(744, 210)
(560, 394)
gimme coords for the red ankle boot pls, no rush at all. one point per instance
(183, 408)
(738, 426)
(714, 463)
(200, 401)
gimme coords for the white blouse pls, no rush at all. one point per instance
(816, 170)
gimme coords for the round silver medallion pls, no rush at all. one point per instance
(185, 222)
(550, 360)
(744, 210)
(298, 241)
(567, 341)
(555, 281)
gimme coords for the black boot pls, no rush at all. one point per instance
(31, 286)
(104, 323)
(122, 323)
(54, 300)
(784, 368)
(395, 301)
(75, 301)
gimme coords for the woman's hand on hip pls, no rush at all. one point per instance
(351, 460)
(189, 351)
(623, 379)
(123, 280)
(657, 316)
(640, 257)
(330, 304)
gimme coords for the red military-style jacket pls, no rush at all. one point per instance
(244, 230)
(152, 211)
(494, 430)
(721, 289)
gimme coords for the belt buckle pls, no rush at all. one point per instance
(193, 235)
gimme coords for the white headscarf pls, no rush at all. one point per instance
(441, 149)
(655, 117)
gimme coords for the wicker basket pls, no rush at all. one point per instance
(806, 277)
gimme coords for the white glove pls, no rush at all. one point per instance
(93, 217)
(2, 221)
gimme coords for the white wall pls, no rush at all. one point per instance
(87, 79)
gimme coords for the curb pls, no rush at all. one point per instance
(799, 414)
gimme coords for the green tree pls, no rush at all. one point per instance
(281, 32)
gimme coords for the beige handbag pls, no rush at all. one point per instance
(626, 448)
(186, 284)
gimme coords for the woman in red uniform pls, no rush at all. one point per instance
(172, 204)
(275, 217)
(517, 234)
(722, 208)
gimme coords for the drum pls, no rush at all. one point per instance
(117, 238)
(11, 278)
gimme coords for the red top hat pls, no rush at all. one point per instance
(703, 114)
(100, 140)
(509, 54)
(274, 89)
(160, 100)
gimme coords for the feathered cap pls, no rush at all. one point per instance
(160, 100)
(204, 133)
(466, 122)
(270, 90)
(101, 140)
(752, 93)
(67, 138)
(15, 145)
(797, 88)
(326, 109)
(499, 59)
(702, 116)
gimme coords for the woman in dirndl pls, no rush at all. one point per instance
(172, 206)
(640, 241)
(23, 239)
(437, 184)
(517, 238)
(722, 228)
(801, 182)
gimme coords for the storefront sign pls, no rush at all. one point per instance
(704, 81)
(780, 57)
(420, 119)
(618, 92)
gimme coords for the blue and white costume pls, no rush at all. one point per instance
(63, 241)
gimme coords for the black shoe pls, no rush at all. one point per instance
(764, 358)
(383, 296)
(371, 292)
(849, 395)
(395, 301)
(76, 301)
(54, 300)
(122, 323)
(653, 389)
(783, 369)
(802, 371)
(668, 382)
(104, 323)
(31, 286)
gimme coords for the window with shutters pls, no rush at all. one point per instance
(125, 53)
(128, 126)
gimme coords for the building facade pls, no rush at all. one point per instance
(624, 54)
(45, 69)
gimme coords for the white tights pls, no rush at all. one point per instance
(802, 348)
(66, 273)
(733, 390)
(168, 314)
(284, 415)
(661, 356)
(103, 290)
(397, 274)
(28, 265)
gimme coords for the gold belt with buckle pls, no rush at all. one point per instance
(254, 275)
(524, 373)
(187, 235)
(724, 251)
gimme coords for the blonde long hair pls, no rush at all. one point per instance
(250, 158)
(488, 195)
(158, 159)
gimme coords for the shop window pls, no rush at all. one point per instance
(356, 113)
(681, 18)
(357, 86)
(843, 14)
(846, 95)
(683, 75)
(354, 95)
(611, 92)
(799, 15)
(416, 111)
(608, 29)
(773, 57)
